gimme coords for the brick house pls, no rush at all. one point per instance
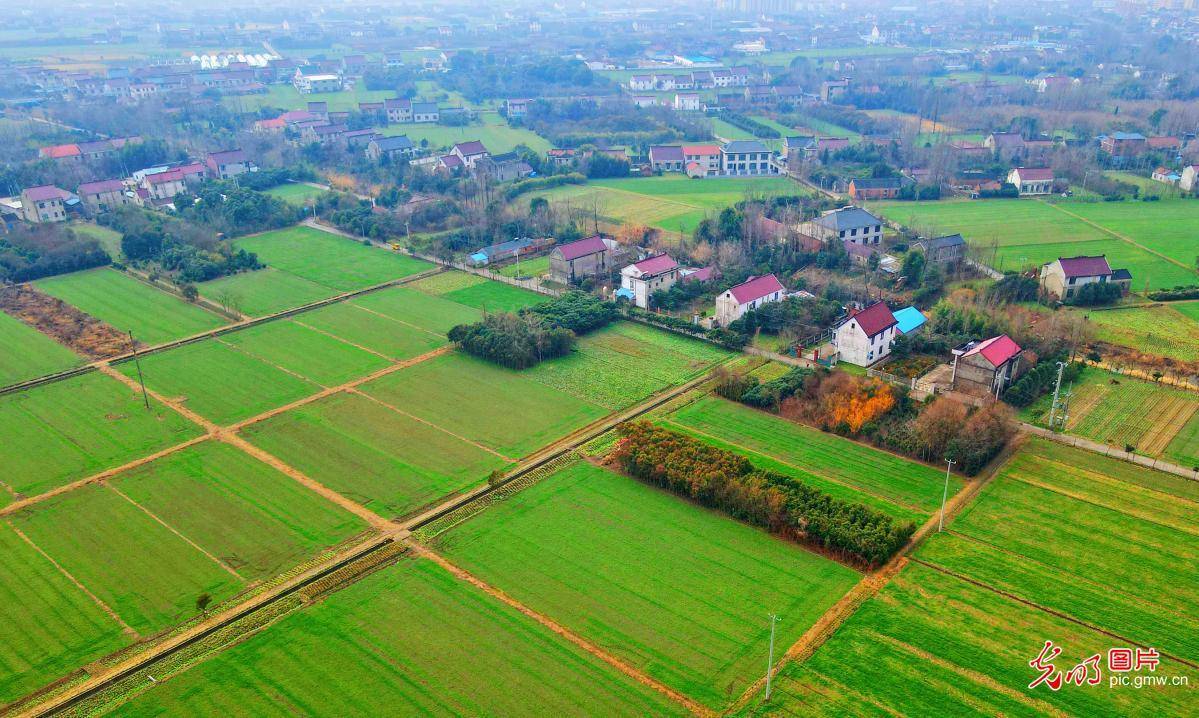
(988, 367)
(103, 196)
(653, 274)
(44, 204)
(587, 257)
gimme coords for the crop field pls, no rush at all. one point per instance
(369, 330)
(1122, 411)
(626, 362)
(219, 382)
(841, 467)
(534, 267)
(410, 639)
(253, 518)
(1030, 232)
(47, 625)
(120, 553)
(499, 408)
(316, 356)
(497, 138)
(414, 308)
(126, 303)
(373, 454)
(495, 297)
(1101, 541)
(674, 203)
(296, 193)
(287, 97)
(304, 265)
(28, 353)
(329, 260)
(680, 592)
(1170, 330)
(1168, 227)
(70, 429)
(109, 239)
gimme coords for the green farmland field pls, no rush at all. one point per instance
(147, 574)
(625, 363)
(252, 517)
(314, 355)
(496, 297)
(834, 464)
(1104, 542)
(296, 193)
(409, 640)
(497, 407)
(70, 429)
(534, 267)
(674, 202)
(497, 138)
(370, 330)
(1031, 232)
(28, 353)
(678, 591)
(128, 304)
(329, 260)
(372, 454)
(264, 291)
(304, 265)
(48, 626)
(1120, 411)
(1170, 330)
(417, 309)
(218, 382)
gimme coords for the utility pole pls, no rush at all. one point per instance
(770, 658)
(1057, 390)
(137, 362)
(945, 494)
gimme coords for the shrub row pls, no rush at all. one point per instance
(1168, 295)
(1038, 381)
(729, 482)
(750, 125)
(545, 331)
(748, 389)
(725, 338)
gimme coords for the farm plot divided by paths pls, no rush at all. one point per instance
(119, 300)
(304, 265)
(680, 593)
(1169, 330)
(410, 639)
(1157, 420)
(1076, 548)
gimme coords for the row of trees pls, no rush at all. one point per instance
(31, 252)
(782, 504)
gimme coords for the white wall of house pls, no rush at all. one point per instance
(729, 310)
(855, 347)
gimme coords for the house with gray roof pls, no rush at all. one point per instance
(852, 225)
(949, 249)
(747, 157)
(398, 146)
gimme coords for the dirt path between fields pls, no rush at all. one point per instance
(872, 583)
(343, 340)
(67, 574)
(563, 631)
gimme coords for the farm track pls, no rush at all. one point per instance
(389, 533)
(873, 582)
(559, 629)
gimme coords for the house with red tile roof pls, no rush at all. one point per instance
(734, 302)
(61, 152)
(1064, 276)
(470, 152)
(864, 336)
(588, 257)
(103, 196)
(986, 368)
(641, 279)
(1032, 180)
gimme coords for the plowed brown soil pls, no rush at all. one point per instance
(81, 332)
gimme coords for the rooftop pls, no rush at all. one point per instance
(847, 218)
(755, 288)
(996, 350)
(583, 247)
(874, 319)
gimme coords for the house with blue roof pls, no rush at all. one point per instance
(909, 319)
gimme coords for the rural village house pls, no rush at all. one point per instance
(641, 279)
(988, 367)
(864, 337)
(1063, 276)
(732, 304)
(587, 257)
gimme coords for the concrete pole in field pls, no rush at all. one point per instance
(945, 494)
(770, 657)
(137, 362)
